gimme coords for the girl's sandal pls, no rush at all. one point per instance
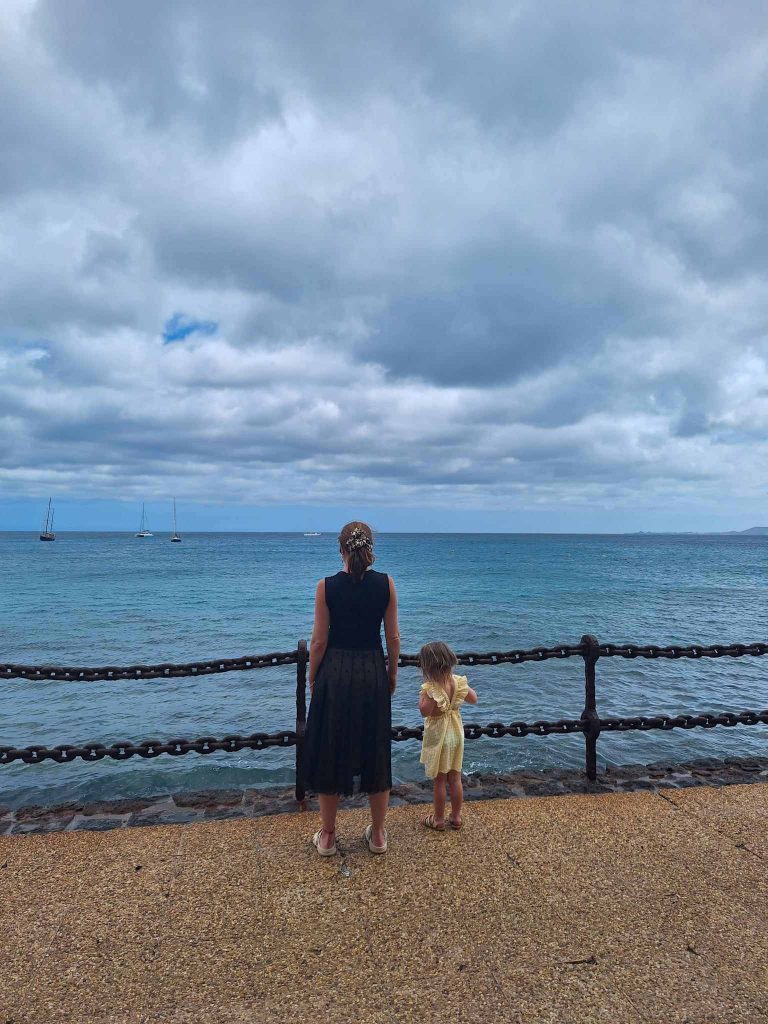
(429, 822)
(331, 850)
(455, 825)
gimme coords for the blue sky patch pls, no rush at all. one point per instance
(180, 326)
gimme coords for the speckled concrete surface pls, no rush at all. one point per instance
(617, 908)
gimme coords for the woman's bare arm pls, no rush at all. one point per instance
(471, 697)
(319, 641)
(392, 635)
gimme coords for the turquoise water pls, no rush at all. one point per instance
(110, 598)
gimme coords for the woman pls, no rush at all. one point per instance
(348, 739)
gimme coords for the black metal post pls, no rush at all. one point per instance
(589, 715)
(301, 719)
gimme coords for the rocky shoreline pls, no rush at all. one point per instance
(185, 807)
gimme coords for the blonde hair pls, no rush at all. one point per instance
(356, 541)
(436, 660)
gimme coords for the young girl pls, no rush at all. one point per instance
(442, 749)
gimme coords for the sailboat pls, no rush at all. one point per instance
(144, 531)
(47, 531)
(175, 537)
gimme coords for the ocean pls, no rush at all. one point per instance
(113, 599)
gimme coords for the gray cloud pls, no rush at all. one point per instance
(502, 255)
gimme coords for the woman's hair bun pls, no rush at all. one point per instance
(356, 541)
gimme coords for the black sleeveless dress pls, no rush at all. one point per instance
(347, 745)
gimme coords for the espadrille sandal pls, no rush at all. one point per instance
(331, 851)
(372, 846)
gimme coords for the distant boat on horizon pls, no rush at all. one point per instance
(312, 533)
(47, 531)
(175, 536)
(144, 530)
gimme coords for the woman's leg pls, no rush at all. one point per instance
(457, 795)
(438, 798)
(379, 803)
(329, 804)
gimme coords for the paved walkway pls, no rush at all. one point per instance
(615, 908)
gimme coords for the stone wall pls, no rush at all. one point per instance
(182, 808)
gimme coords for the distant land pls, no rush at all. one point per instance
(753, 531)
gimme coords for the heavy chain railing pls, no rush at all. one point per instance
(590, 725)
(168, 670)
(122, 751)
(67, 674)
(706, 721)
(674, 652)
(497, 730)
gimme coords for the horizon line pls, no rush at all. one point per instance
(462, 533)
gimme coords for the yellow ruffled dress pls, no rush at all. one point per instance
(442, 749)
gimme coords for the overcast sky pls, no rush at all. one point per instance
(449, 265)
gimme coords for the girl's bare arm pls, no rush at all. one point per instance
(319, 641)
(471, 697)
(392, 635)
(428, 707)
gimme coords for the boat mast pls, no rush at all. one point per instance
(47, 516)
(174, 518)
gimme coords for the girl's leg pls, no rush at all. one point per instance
(438, 798)
(457, 796)
(329, 804)
(379, 803)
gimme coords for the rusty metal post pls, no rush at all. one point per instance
(301, 720)
(589, 715)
